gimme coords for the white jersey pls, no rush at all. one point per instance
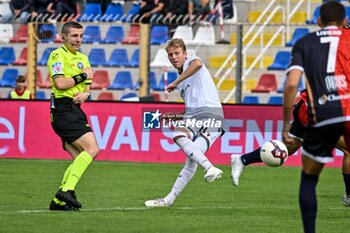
(199, 93)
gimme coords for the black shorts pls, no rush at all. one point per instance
(319, 142)
(68, 120)
(297, 128)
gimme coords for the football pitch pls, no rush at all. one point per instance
(113, 195)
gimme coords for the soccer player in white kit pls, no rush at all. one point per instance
(202, 102)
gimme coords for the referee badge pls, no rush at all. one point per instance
(80, 65)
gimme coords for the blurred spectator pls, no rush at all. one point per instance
(62, 9)
(175, 9)
(198, 9)
(18, 9)
(227, 10)
(38, 9)
(150, 9)
(4, 7)
(20, 91)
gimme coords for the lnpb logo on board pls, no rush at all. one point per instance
(151, 120)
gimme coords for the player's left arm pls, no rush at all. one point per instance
(193, 67)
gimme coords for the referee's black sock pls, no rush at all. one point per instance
(346, 178)
(252, 157)
(308, 201)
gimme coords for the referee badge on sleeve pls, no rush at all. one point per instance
(57, 68)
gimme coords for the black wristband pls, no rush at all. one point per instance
(79, 78)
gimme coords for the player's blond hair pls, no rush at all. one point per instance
(177, 43)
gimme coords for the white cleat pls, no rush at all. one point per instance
(212, 174)
(236, 168)
(346, 200)
(159, 202)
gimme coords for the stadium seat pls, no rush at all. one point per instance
(161, 59)
(45, 56)
(266, 83)
(184, 32)
(152, 81)
(7, 55)
(92, 34)
(249, 84)
(39, 77)
(205, 36)
(134, 10)
(114, 12)
(281, 61)
(250, 100)
(22, 59)
(115, 34)
(172, 75)
(347, 12)
(134, 61)
(298, 33)
(8, 78)
(122, 80)
(97, 57)
(159, 35)
(300, 85)
(133, 36)
(119, 57)
(105, 95)
(40, 95)
(315, 16)
(6, 32)
(47, 33)
(101, 79)
(92, 12)
(21, 34)
(46, 83)
(275, 100)
(131, 96)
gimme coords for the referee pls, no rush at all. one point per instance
(71, 77)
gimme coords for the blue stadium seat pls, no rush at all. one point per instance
(275, 100)
(47, 33)
(115, 34)
(172, 75)
(347, 11)
(134, 10)
(130, 95)
(7, 55)
(8, 78)
(41, 95)
(92, 34)
(122, 81)
(92, 12)
(281, 61)
(152, 80)
(134, 61)
(300, 85)
(45, 56)
(119, 57)
(250, 100)
(159, 34)
(97, 57)
(315, 16)
(298, 33)
(114, 12)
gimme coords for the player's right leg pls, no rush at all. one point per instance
(341, 145)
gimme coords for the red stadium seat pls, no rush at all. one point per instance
(104, 95)
(22, 59)
(134, 35)
(101, 80)
(46, 83)
(21, 34)
(266, 83)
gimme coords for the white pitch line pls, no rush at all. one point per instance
(140, 209)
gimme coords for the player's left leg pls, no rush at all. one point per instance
(342, 145)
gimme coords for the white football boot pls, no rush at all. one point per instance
(346, 200)
(236, 168)
(159, 202)
(212, 174)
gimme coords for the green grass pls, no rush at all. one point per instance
(113, 194)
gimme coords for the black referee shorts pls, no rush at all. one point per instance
(68, 120)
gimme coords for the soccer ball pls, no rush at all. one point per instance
(274, 153)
